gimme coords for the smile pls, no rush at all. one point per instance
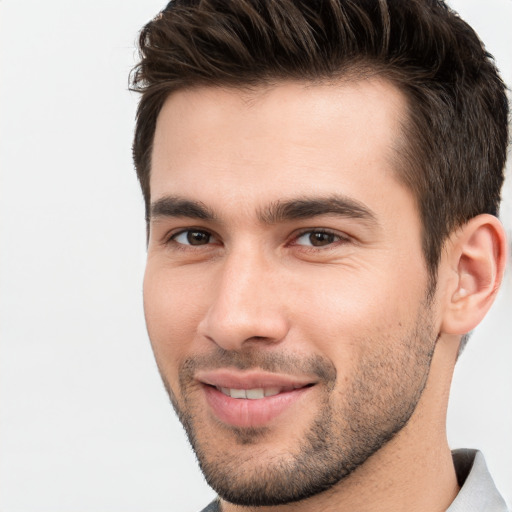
(255, 393)
(252, 399)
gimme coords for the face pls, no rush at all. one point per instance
(285, 289)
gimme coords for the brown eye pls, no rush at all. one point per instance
(193, 237)
(317, 238)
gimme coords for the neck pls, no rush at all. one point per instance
(413, 471)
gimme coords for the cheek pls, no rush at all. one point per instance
(340, 310)
(173, 309)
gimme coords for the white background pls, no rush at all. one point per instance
(85, 425)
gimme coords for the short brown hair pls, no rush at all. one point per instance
(455, 144)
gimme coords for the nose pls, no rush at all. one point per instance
(244, 307)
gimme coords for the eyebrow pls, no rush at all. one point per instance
(276, 212)
(307, 207)
(173, 206)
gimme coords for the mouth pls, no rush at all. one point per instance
(257, 393)
(252, 399)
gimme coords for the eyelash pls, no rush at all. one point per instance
(171, 239)
(340, 239)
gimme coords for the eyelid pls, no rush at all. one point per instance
(341, 238)
(170, 237)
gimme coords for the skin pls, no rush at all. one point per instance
(349, 315)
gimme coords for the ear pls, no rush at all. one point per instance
(476, 255)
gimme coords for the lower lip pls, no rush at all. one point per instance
(240, 412)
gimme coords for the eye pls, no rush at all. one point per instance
(193, 237)
(318, 238)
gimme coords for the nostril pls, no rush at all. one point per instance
(231, 327)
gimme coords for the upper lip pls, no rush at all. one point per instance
(232, 379)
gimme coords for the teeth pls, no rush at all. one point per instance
(251, 394)
(255, 394)
(238, 393)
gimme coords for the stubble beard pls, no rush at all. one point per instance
(348, 429)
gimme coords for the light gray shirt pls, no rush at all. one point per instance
(477, 490)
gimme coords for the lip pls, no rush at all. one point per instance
(251, 379)
(246, 413)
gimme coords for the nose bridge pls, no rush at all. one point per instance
(245, 304)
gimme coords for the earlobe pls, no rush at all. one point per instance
(477, 255)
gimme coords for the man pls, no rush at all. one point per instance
(322, 181)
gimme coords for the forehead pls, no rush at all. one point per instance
(238, 147)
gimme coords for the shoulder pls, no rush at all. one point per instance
(214, 506)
